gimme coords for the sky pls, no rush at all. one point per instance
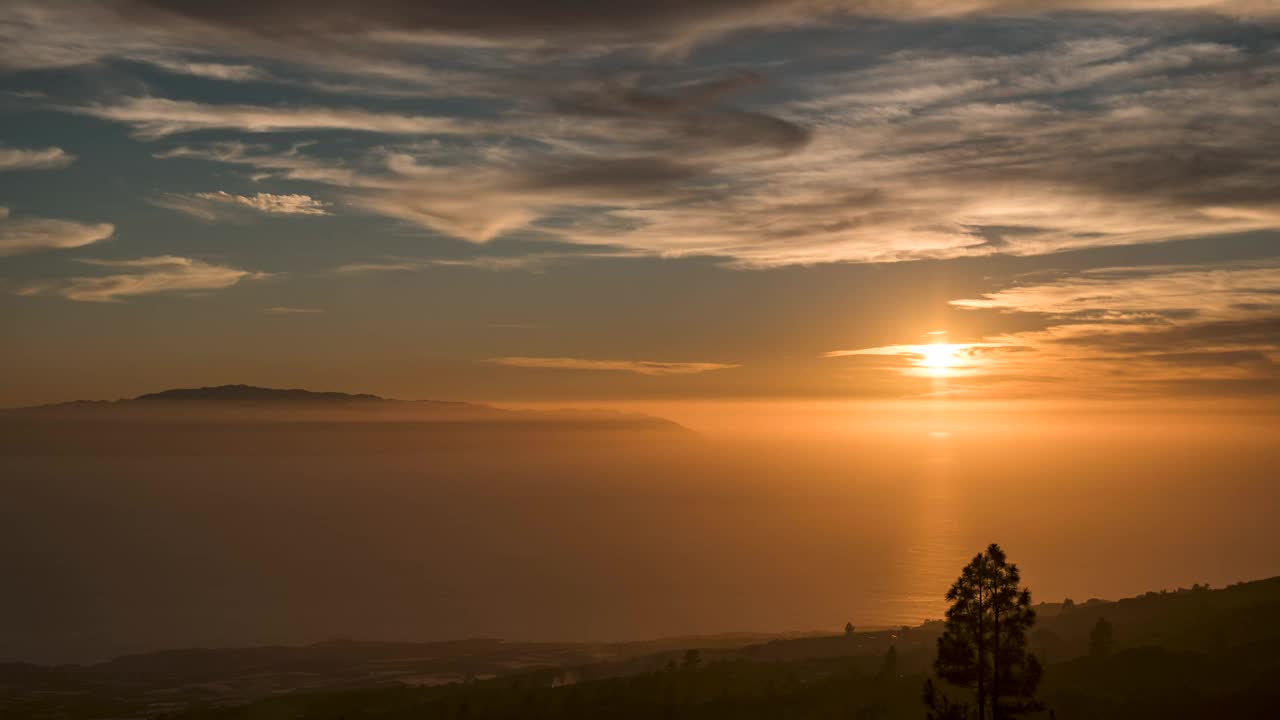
(530, 201)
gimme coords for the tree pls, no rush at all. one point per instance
(983, 646)
(889, 668)
(692, 659)
(1068, 605)
(1101, 638)
(942, 707)
(848, 629)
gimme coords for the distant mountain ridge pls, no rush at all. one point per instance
(251, 394)
(247, 419)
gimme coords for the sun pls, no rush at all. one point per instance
(939, 357)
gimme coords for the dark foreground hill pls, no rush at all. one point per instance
(1196, 653)
(247, 420)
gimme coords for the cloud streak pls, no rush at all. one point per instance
(1139, 293)
(282, 310)
(153, 118)
(217, 205)
(639, 367)
(492, 263)
(144, 276)
(51, 158)
(28, 235)
(1112, 332)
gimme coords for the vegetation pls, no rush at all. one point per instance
(889, 670)
(1175, 654)
(692, 659)
(1101, 638)
(984, 645)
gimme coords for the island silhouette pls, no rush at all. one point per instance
(246, 418)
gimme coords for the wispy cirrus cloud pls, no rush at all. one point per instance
(1114, 331)
(924, 152)
(50, 158)
(931, 358)
(640, 367)
(1155, 326)
(333, 35)
(625, 146)
(238, 72)
(266, 163)
(153, 117)
(922, 155)
(211, 206)
(1138, 294)
(19, 236)
(143, 276)
(493, 263)
(283, 310)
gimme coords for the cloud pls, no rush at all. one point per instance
(1114, 332)
(687, 117)
(148, 275)
(269, 203)
(480, 205)
(624, 146)
(157, 117)
(215, 205)
(628, 146)
(931, 359)
(1099, 129)
(28, 235)
(923, 154)
(917, 351)
(641, 367)
(302, 24)
(216, 71)
(491, 263)
(1135, 294)
(280, 310)
(1165, 144)
(47, 159)
(371, 39)
(289, 164)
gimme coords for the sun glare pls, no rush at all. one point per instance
(938, 357)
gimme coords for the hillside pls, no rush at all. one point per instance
(1186, 653)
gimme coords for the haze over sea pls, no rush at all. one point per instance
(774, 517)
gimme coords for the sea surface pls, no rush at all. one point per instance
(763, 521)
